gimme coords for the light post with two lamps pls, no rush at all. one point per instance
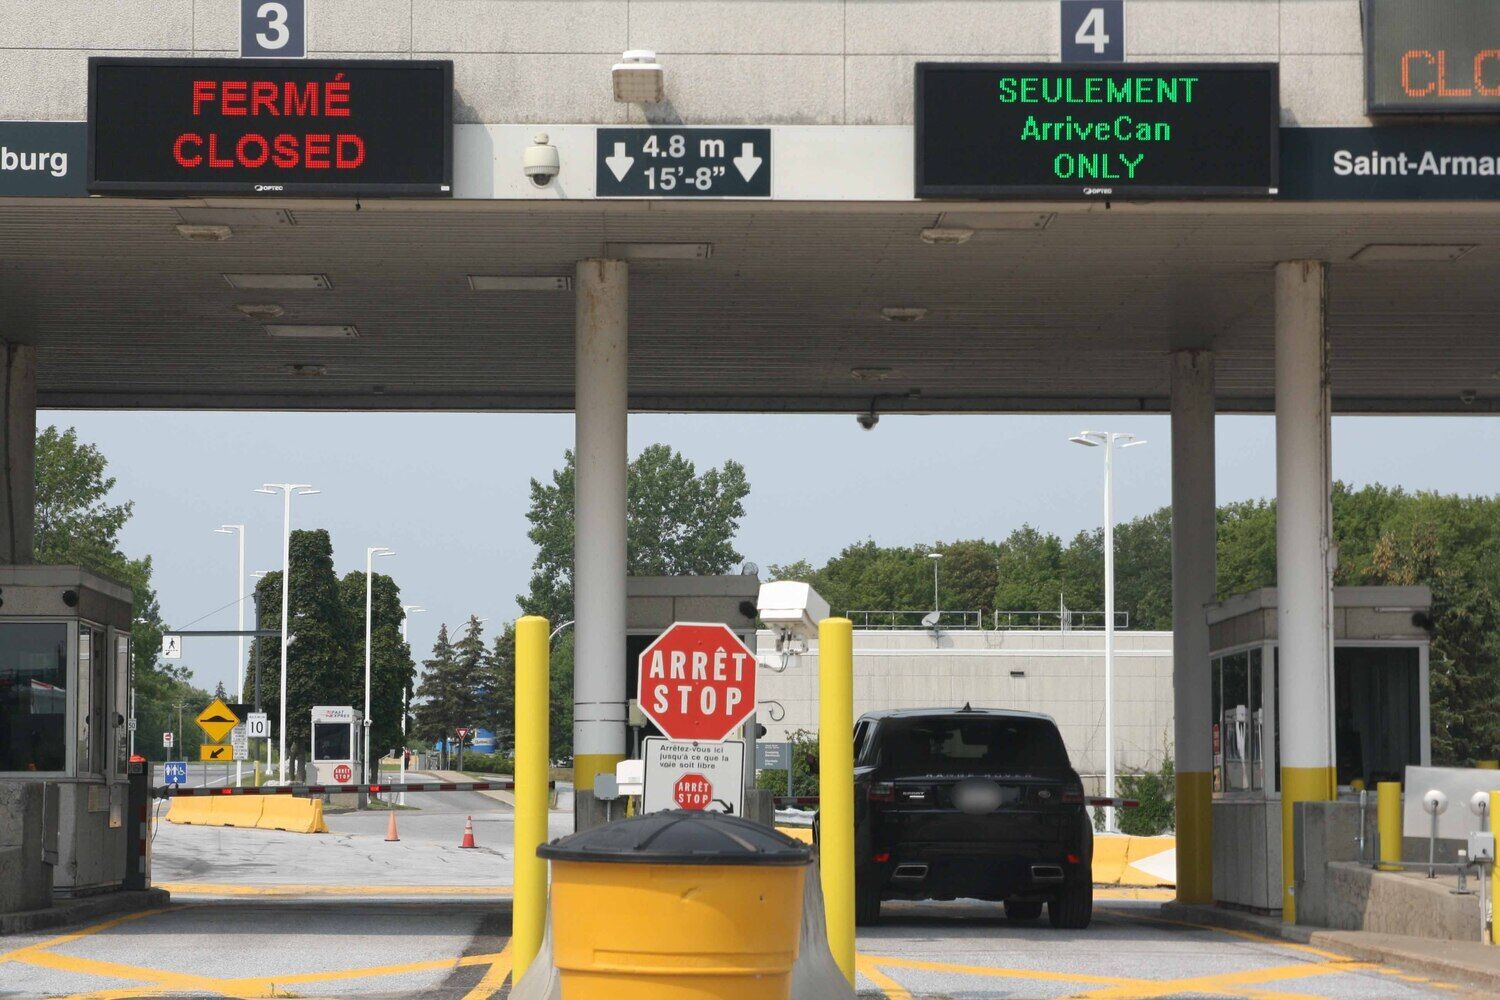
(239, 670)
(287, 490)
(370, 554)
(1108, 440)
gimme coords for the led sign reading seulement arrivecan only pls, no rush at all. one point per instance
(1432, 56)
(176, 126)
(1067, 131)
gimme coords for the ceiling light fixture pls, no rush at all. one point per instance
(312, 331)
(260, 310)
(870, 373)
(295, 281)
(1432, 253)
(520, 283)
(204, 234)
(659, 251)
(638, 78)
(903, 314)
(946, 236)
(306, 370)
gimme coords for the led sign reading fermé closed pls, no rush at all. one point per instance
(268, 126)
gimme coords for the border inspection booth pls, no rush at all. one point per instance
(64, 721)
(336, 745)
(1380, 705)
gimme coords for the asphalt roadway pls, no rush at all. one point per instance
(260, 913)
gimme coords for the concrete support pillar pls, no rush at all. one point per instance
(601, 409)
(17, 453)
(1194, 584)
(1304, 550)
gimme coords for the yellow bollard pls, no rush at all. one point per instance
(1388, 823)
(529, 911)
(836, 785)
(1494, 877)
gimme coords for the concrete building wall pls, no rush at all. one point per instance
(823, 62)
(1061, 674)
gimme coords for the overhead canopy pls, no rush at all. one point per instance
(1069, 307)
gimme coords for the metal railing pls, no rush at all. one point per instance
(947, 620)
(1062, 621)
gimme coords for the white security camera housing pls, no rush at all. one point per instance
(540, 163)
(792, 609)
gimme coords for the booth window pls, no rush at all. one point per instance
(332, 741)
(33, 696)
(1377, 728)
(93, 706)
(122, 703)
(1239, 722)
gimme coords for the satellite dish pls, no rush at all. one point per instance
(931, 619)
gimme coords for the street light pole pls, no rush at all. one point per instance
(370, 554)
(286, 489)
(1094, 439)
(260, 657)
(407, 610)
(936, 558)
(239, 670)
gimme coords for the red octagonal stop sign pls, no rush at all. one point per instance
(693, 791)
(697, 682)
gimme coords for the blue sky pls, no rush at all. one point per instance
(449, 492)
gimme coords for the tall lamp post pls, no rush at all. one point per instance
(407, 610)
(936, 558)
(287, 490)
(370, 555)
(260, 658)
(239, 670)
(1108, 440)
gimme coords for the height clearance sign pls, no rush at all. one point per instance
(697, 682)
(1090, 131)
(267, 126)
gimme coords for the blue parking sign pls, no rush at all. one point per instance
(176, 772)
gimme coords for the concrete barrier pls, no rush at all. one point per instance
(1144, 862)
(250, 812)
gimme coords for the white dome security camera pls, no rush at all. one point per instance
(540, 163)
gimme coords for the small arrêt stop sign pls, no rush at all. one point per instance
(697, 682)
(342, 773)
(693, 791)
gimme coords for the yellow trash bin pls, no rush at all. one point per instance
(677, 906)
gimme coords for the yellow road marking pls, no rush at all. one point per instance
(292, 890)
(892, 989)
(19, 954)
(115, 970)
(1226, 982)
(494, 977)
(127, 993)
(893, 962)
(1308, 949)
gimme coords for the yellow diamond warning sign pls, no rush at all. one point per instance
(216, 721)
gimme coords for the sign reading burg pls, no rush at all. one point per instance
(175, 126)
(1068, 131)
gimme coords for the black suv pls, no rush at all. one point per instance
(970, 803)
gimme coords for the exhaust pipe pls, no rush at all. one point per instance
(1046, 873)
(912, 873)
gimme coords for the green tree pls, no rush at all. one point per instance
(436, 708)
(497, 689)
(322, 667)
(470, 663)
(391, 665)
(77, 525)
(1029, 571)
(678, 522)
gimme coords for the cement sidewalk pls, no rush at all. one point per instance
(1470, 961)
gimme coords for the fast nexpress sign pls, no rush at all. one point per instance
(1058, 131)
(169, 126)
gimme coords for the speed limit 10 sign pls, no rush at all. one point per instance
(273, 29)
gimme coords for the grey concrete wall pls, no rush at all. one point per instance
(1362, 899)
(25, 882)
(763, 61)
(1061, 674)
(1247, 853)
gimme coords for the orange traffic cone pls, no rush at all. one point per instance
(390, 830)
(468, 840)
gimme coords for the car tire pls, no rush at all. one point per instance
(1022, 909)
(866, 904)
(1072, 909)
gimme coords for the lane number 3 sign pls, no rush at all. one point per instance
(273, 29)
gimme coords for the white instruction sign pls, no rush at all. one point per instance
(683, 774)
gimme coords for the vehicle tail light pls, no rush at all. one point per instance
(881, 858)
(881, 791)
(1073, 794)
(1074, 859)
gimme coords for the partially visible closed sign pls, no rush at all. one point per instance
(43, 159)
(1432, 56)
(367, 127)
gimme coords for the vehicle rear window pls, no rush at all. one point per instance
(952, 745)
